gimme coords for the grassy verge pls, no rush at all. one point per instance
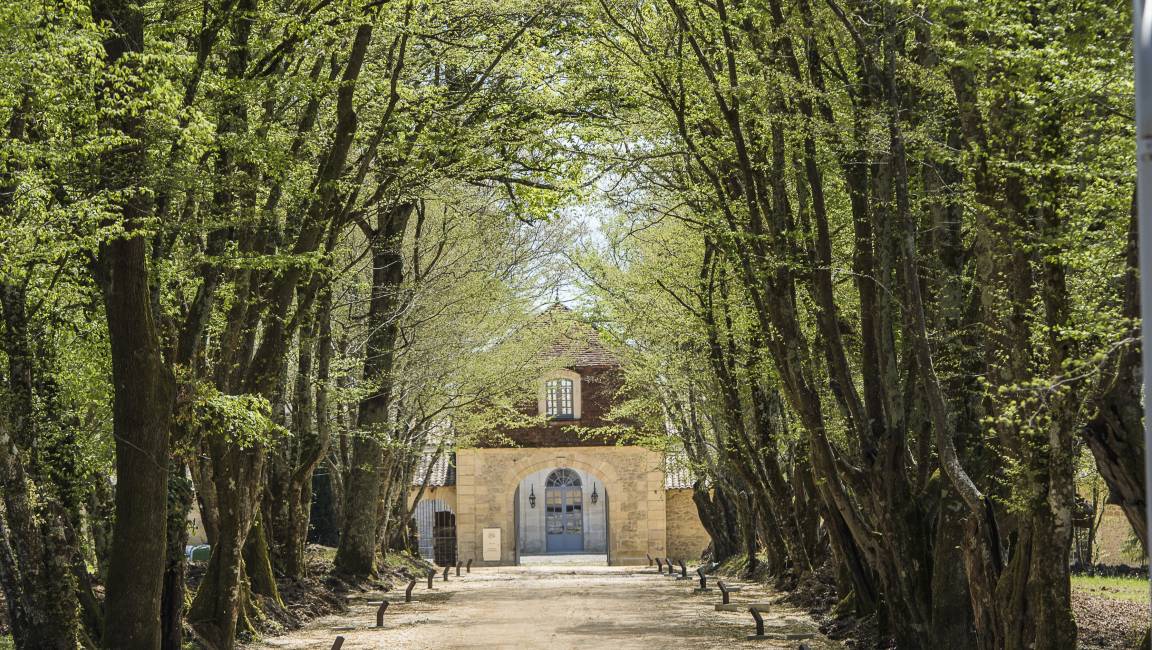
(1131, 589)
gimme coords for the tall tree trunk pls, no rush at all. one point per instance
(180, 496)
(35, 553)
(217, 606)
(144, 388)
(1116, 434)
(356, 554)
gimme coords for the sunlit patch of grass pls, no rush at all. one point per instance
(1133, 589)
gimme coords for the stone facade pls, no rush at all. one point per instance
(687, 538)
(633, 493)
(444, 493)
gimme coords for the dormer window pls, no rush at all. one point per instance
(558, 399)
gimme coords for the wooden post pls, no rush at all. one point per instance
(469, 565)
(380, 613)
(337, 643)
(431, 574)
(446, 573)
(759, 620)
(458, 565)
(408, 591)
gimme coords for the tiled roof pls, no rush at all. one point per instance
(677, 474)
(578, 344)
(443, 471)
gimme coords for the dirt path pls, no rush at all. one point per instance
(620, 608)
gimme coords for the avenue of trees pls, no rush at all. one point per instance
(242, 239)
(875, 265)
(871, 265)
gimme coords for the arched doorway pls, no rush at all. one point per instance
(564, 512)
(560, 511)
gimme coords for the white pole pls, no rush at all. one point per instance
(1142, 45)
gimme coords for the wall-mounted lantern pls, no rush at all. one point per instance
(532, 497)
(595, 497)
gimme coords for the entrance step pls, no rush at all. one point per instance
(576, 559)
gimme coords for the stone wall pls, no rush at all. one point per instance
(445, 493)
(632, 480)
(687, 538)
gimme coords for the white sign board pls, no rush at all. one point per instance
(491, 544)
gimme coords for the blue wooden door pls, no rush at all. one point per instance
(564, 512)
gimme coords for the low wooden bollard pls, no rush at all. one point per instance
(726, 591)
(703, 588)
(458, 565)
(446, 573)
(383, 607)
(408, 591)
(431, 574)
(759, 623)
(659, 566)
(671, 567)
(649, 558)
(337, 643)
(683, 571)
(468, 566)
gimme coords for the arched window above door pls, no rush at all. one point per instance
(563, 477)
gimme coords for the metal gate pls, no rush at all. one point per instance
(436, 530)
(444, 538)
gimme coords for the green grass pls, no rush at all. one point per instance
(1133, 589)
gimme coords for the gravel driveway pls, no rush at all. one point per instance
(554, 607)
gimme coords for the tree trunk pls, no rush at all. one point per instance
(35, 554)
(216, 609)
(144, 388)
(356, 555)
(180, 495)
(1116, 434)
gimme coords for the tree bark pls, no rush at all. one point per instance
(356, 555)
(144, 388)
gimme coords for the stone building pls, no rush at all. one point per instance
(554, 490)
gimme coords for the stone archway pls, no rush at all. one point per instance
(629, 482)
(579, 510)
